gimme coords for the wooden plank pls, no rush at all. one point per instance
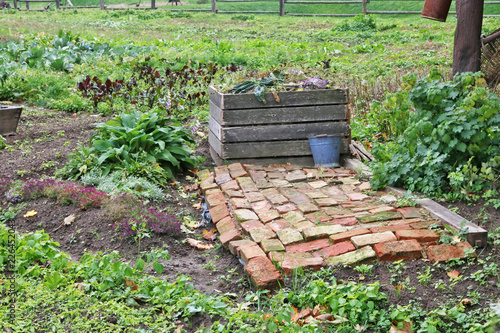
(287, 98)
(265, 149)
(279, 115)
(306, 161)
(276, 132)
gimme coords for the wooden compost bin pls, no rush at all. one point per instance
(242, 129)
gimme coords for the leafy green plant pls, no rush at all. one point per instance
(258, 86)
(453, 123)
(141, 144)
(358, 23)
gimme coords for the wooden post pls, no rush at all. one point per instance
(282, 7)
(58, 4)
(214, 6)
(467, 49)
(365, 10)
(153, 4)
(15, 4)
(102, 4)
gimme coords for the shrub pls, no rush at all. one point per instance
(451, 124)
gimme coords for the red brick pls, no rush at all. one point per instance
(269, 216)
(219, 180)
(335, 250)
(309, 246)
(261, 206)
(299, 198)
(263, 274)
(277, 199)
(286, 208)
(240, 203)
(445, 252)
(250, 251)
(249, 225)
(344, 236)
(277, 225)
(236, 170)
(208, 183)
(225, 224)
(216, 199)
(406, 249)
(218, 213)
(357, 196)
(406, 221)
(289, 265)
(379, 209)
(231, 185)
(307, 208)
(282, 256)
(318, 217)
(410, 212)
(422, 236)
(234, 194)
(345, 221)
(254, 196)
(425, 225)
(234, 246)
(391, 228)
(228, 236)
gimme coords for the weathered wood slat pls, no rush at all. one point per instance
(278, 115)
(276, 132)
(265, 149)
(306, 161)
(287, 98)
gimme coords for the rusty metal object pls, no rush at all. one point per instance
(436, 9)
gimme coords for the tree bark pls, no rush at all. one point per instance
(467, 50)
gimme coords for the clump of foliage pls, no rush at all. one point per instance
(141, 144)
(358, 23)
(3, 145)
(63, 192)
(116, 182)
(172, 89)
(452, 128)
(258, 86)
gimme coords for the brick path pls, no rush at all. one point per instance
(310, 218)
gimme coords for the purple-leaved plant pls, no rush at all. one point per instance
(155, 221)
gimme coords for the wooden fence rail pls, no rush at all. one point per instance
(282, 4)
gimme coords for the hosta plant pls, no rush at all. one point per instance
(143, 144)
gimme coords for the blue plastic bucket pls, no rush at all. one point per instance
(326, 150)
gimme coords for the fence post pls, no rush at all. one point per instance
(214, 7)
(58, 4)
(102, 4)
(153, 4)
(282, 7)
(28, 5)
(15, 4)
(365, 10)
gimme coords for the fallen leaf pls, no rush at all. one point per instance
(194, 171)
(198, 244)
(70, 219)
(405, 329)
(305, 313)
(466, 302)
(453, 274)
(30, 213)
(295, 314)
(131, 284)
(200, 134)
(323, 317)
(359, 328)
(276, 97)
(80, 286)
(398, 287)
(209, 235)
(197, 206)
(191, 188)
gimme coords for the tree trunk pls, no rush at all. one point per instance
(467, 50)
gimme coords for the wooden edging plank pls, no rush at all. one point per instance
(287, 98)
(276, 132)
(278, 115)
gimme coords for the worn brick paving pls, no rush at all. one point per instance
(311, 218)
